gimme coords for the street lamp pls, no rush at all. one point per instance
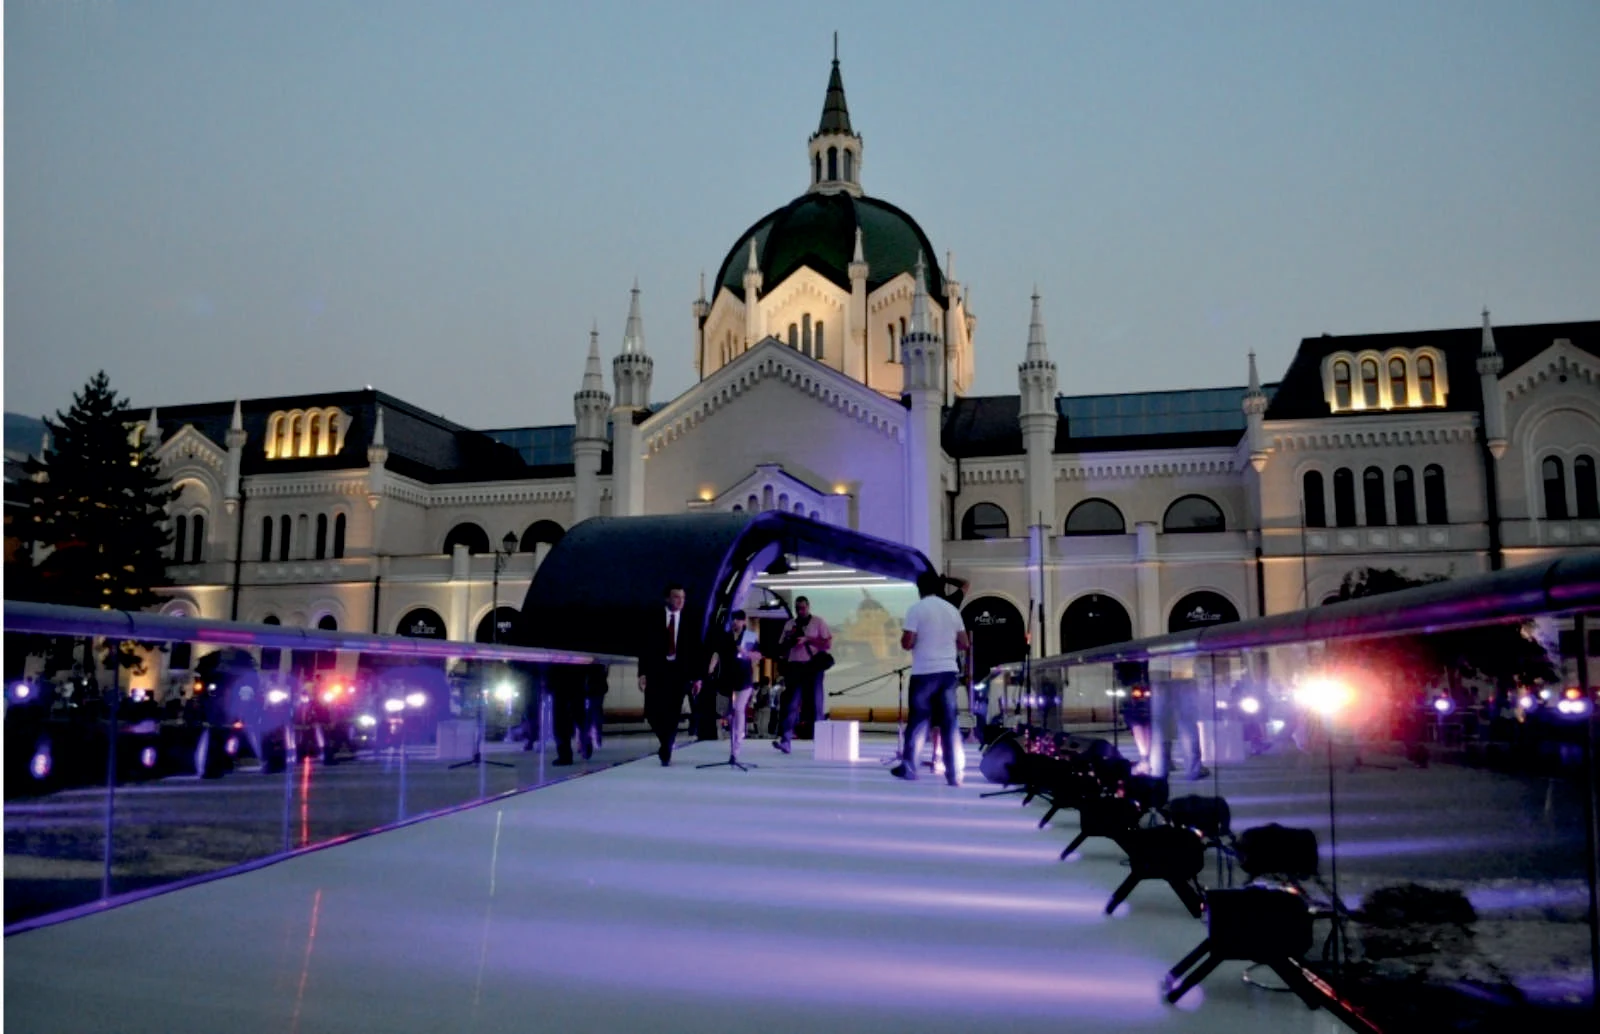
(502, 557)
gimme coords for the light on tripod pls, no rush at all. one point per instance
(505, 692)
(1443, 704)
(1250, 705)
(1326, 696)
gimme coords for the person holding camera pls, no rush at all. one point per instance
(806, 641)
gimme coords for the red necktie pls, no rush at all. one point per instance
(672, 635)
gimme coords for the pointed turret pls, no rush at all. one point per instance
(922, 359)
(235, 425)
(1255, 408)
(633, 332)
(752, 295)
(835, 148)
(235, 466)
(632, 369)
(592, 407)
(1490, 364)
(152, 431)
(922, 347)
(377, 436)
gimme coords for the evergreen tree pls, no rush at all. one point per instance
(97, 502)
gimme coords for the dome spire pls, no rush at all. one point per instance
(593, 377)
(633, 332)
(835, 148)
(1038, 351)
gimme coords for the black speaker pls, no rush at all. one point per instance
(999, 760)
(1211, 816)
(1279, 851)
(1259, 924)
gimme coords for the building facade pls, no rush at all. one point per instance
(834, 359)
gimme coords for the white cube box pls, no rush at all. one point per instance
(837, 741)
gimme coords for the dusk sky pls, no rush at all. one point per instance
(215, 200)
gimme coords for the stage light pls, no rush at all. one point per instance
(505, 692)
(1574, 693)
(1526, 702)
(1444, 705)
(416, 700)
(394, 706)
(1275, 726)
(277, 696)
(1324, 695)
(366, 721)
(1545, 694)
(21, 691)
(231, 747)
(1250, 705)
(1222, 705)
(147, 757)
(39, 765)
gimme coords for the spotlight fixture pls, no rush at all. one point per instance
(779, 566)
(1443, 704)
(1250, 705)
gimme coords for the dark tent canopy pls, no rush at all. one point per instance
(601, 585)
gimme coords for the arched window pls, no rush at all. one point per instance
(322, 536)
(314, 443)
(283, 437)
(180, 539)
(1372, 489)
(894, 343)
(295, 433)
(816, 173)
(271, 656)
(998, 633)
(540, 531)
(302, 534)
(197, 546)
(284, 525)
(833, 163)
(1094, 620)
(1369, 383)
(266, 539)
(1555, 489)
(1316, 504)
(766, 497)
(1095, 517)
(1584, 481)
(753, 504)
(338, 537)
(783, 500)
(849, 164)
(1425, 380)
(1201, 610)
(1341, 385)
(1193, 513)
(805, 333)
(326, 659)
(1344, 498)
(818, 350)
(1405, 497)
(467, 534)
(1433, 494)
(274, 430)
(985, 521)
(1397, 381)
(421, 623)
(794, 336)
(902, 336)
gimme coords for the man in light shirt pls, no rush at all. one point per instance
(936, 637)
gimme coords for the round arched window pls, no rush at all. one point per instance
(985, 521)
(1193, 513)
(1095, 517)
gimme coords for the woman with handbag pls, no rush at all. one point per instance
(804, 650)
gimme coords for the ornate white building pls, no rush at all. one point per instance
(835, 359)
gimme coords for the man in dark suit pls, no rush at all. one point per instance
(664, 669)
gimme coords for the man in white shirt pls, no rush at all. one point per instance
(936, 637)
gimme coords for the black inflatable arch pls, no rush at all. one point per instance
(601, 586)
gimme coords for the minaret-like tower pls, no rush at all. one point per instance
(752, 294)
(835, 149)
(1494, 407)
(702, 310)
(591, 405)
(235, 442)
(1255, 408)
(1036, 379)
(631, 371)
(922, 359)
(857, 364)
(151, 438)
(377, 455)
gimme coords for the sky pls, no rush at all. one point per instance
(220, 200)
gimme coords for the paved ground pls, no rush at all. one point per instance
(800, 896)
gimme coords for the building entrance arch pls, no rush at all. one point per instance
(998, 633)
(1092, 620)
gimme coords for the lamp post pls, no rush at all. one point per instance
(502, 556)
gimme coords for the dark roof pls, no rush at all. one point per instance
(1300, 396)
(421, 445)
(835, 115)
(990, 425)
(819, 231)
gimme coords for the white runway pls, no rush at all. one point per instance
(800, 896)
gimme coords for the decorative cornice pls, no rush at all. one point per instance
(1374, 437)
(773, 360)
(1125, 467)
(1558, 361)
(524, 492)
(278, 486)
(992, 475)
(189, 445)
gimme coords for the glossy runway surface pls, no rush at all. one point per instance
(799, 896)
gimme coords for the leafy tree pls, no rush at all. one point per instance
(1501, 654)
(97, 502)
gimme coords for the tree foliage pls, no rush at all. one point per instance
(97, 503)
(1499, 654)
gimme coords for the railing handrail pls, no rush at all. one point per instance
(1563, 586)
(54, 619)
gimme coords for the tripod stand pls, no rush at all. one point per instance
(900, 717)
(477, 757)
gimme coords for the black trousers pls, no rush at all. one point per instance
(569, 718)
(664, 691)
(802, 685)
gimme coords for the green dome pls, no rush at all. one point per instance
(818, 231)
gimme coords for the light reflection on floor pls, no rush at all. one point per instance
(800, 896)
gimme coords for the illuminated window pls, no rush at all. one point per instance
(1315, 502)
(1344, 498)
(1425, 380)
(1372, 489)
(1433, 494)
(1584, 480)
(1555, 489)
(314, 444)
(1369, 383)
(819, 352)
(274, 433)
(1341, 385)
(1405, 497)
(1397, 382)
(295, 428)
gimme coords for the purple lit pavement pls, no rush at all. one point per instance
(800, 896)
